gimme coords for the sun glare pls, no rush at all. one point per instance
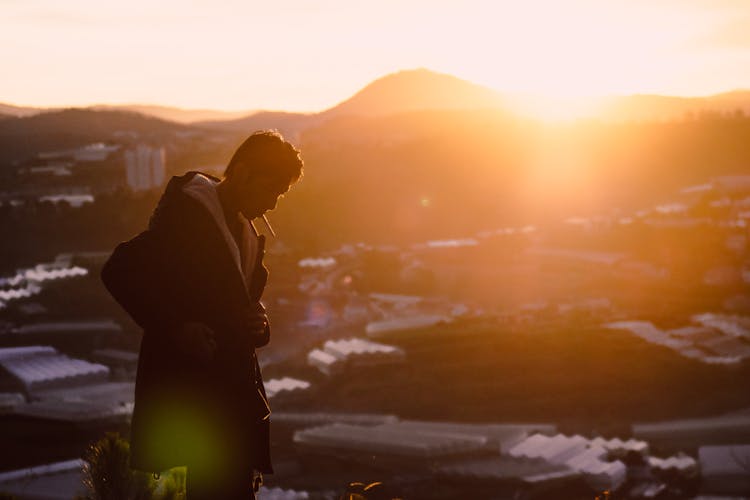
(559, 60)
(557, 54)
(552, 108)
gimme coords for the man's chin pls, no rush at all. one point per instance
(250, 215)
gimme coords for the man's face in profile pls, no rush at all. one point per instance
(260, 193)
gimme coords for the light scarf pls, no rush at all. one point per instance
(203, 189)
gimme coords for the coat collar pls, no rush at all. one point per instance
(203, 189)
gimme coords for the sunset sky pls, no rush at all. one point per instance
(308, 55)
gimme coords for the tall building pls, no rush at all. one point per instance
(144, 167)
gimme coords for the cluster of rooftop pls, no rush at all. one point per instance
(717, 339)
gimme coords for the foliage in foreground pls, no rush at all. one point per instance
(107, 475)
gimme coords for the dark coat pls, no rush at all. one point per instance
(180, 269)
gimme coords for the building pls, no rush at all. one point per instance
(145, 167)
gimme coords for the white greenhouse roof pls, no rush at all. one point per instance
(683, 463)
(592, 257)
(499, 436)
(736, 326)
(507, 468)
(725, 460)
(285, 384)
(397, 298)
(456, 243)
(345, 348)
(388, 441)
(277, 493)
(317, 262)
(647, 331)
(10, 400)
(707, 430)
(377, 328)
(576, 452)
(26, 291)
(618, 446)
(555, 449)
(69, 326)
(39, 367)
(31, 350)
(82, 403)
(337, 353)
(318, 418)
(55, 481)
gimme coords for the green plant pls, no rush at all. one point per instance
(107, 474)
(171, 485)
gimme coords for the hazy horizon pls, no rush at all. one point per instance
(344, 98)
(516, 265)
(306, 58)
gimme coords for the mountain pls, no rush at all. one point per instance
(423, 89)
(396, 93)
(415, 90)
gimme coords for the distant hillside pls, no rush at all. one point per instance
(289, 124)
(22, 138)
(416, 152)
(11, 110)
(396, 93)
(415, 90)
(179, 115)
(657, 107)
(418, 90)
(429, 174)
(733, 100)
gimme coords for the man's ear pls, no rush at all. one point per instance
(242, 173)
(235, 178)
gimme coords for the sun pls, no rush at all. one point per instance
(556, 108)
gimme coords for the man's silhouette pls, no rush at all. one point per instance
(193, 281)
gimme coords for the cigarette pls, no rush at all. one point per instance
(268, 225)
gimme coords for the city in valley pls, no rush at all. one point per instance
(466, 302)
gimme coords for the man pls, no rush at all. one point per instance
(193, 281)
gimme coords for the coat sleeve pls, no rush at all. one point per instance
(137, 276)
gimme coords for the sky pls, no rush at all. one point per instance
(301, 55)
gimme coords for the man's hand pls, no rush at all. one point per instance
(257, 326)
(198, 342)
(257, 321)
